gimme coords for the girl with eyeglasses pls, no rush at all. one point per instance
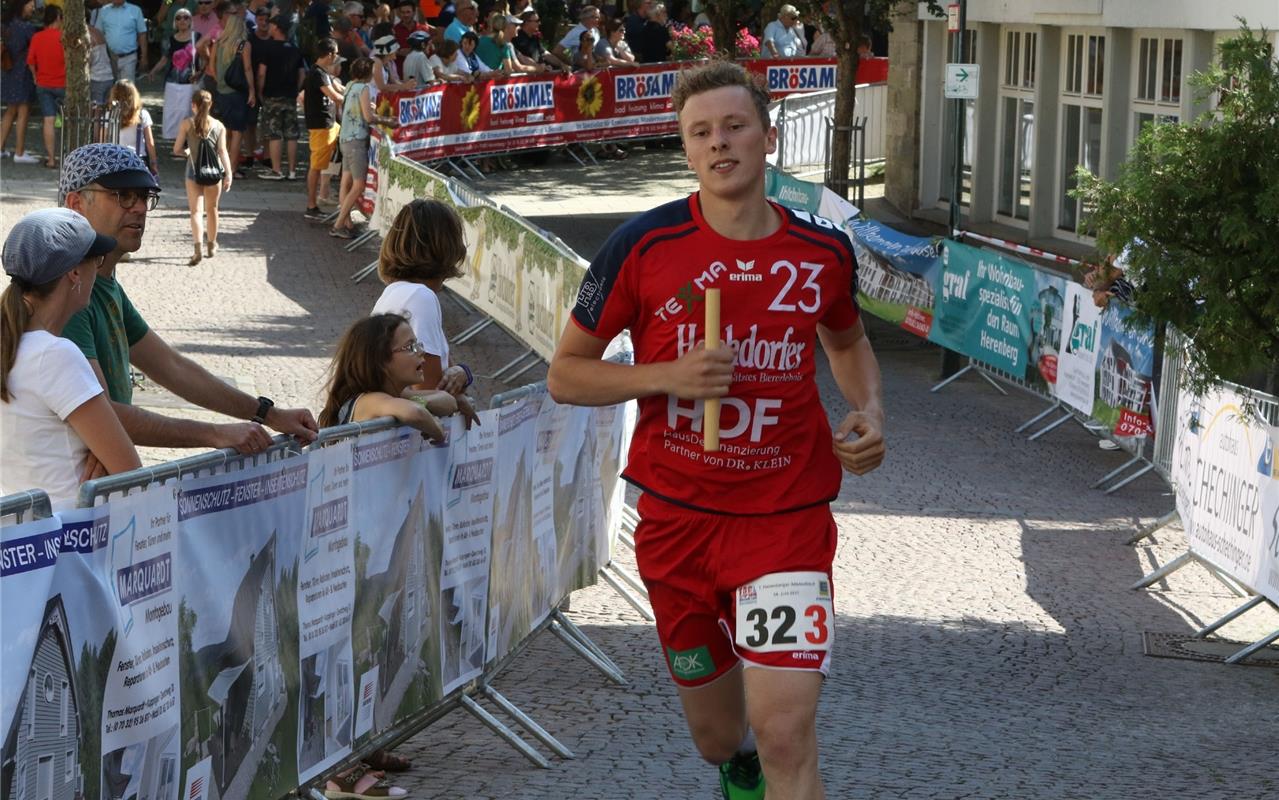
(377, 359)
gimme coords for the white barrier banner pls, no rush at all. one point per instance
(326, 603)
(1227, 491)
(465, 549)
(140, 711)
(1078, 348)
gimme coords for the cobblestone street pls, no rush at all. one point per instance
(987, 643)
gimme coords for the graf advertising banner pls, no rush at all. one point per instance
(551, 110)
(982, 306)
(1078, 347)
(1125, 368)
(1227, 488)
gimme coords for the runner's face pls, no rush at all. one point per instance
(724, 142)
(405, 14)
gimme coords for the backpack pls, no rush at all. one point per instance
(234, 76)
(205, 164)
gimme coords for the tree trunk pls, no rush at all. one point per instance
(723, 28)
(849, 28)
(77, 108)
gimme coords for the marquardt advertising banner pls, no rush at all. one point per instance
(237, 629)
(1226, 487)
(141, 703)
(395, 513)
(326, 603)
(466, 549)
(983, 302)
(551, 110)
(1078, 349)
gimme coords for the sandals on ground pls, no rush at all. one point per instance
(387, 761)
(361, 783)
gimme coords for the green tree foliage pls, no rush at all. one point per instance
(1197, 206)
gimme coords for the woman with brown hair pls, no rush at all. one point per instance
(55, 418)
(135, 123)
(201, 127)
(425, 247)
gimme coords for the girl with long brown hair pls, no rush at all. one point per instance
(377, 359)
(198, 128)
(54, 413)
(135, 122)
(233, 104)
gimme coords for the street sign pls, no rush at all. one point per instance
(961, 81)
(952, 17)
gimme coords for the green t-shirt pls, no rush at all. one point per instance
(104, 331)
(491, 53)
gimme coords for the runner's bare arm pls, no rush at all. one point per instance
(578, 377)
(856, 371)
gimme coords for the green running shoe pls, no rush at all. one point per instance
(741, 778)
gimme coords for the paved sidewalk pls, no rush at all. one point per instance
(987, 644)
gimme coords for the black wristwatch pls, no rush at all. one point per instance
(265, 404)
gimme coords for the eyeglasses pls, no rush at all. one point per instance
(128, 198)
(415, 347)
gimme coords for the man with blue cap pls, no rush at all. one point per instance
(112, 188)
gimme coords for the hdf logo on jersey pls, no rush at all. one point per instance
(642, 87)
(790, 79)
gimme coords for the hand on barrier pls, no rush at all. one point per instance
(429, 426)
(246, 437)
(864, 451)
(296, 422)
(469, 415)
(93, 468)
(701, 373)
(453, 380)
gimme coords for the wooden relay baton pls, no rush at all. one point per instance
(710, 407)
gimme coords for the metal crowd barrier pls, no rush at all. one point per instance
(35, 504)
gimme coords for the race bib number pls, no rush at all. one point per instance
(785, 611)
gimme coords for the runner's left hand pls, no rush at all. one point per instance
(863, 452)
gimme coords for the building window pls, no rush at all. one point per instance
(31, 706)
(68, 769)
(48, 687)
(1017, 155)
(1080, 147)
(1159, 70)
(1020, 50)
(1085, 64)
(62, 727)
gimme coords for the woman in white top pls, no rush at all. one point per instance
(54, 413)
(135, 123)
(424, 248)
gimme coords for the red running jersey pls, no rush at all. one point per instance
(775, 442)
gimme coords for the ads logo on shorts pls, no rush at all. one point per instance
(690, 664)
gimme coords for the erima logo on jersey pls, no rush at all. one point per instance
(745, 274)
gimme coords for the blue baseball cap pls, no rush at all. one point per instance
(111, 166)
(49, 243)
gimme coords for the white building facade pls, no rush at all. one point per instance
(1063, 83)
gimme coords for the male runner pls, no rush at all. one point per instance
(735, 547)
